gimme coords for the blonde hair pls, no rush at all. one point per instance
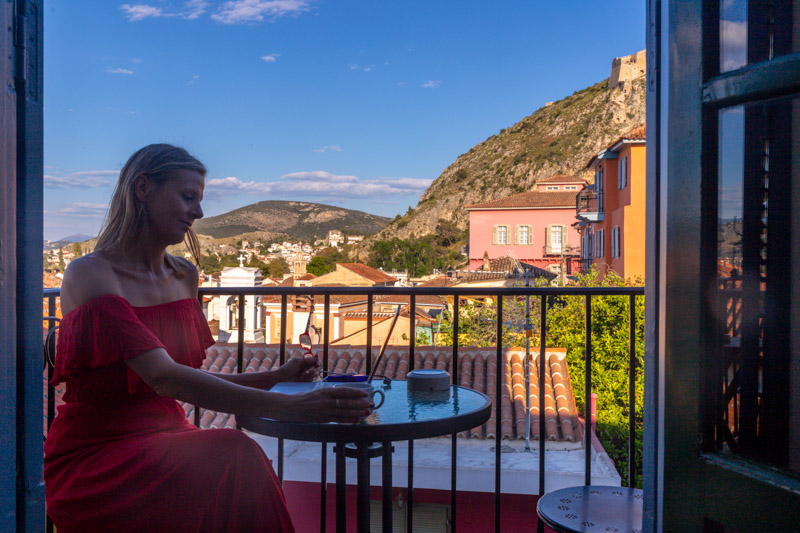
(125, 227)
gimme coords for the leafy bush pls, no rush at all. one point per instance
(565, 320)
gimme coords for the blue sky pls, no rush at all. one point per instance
(359, 104)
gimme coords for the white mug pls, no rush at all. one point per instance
(366, 387)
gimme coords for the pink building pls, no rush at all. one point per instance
(534, 227)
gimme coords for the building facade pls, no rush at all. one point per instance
(611, 212)
(534, 227)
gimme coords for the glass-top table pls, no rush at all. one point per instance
(404, 415)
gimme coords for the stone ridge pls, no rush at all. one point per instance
(556, 139)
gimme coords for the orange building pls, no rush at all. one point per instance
(611, 212)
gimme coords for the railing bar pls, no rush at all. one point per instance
(434, 291)
(631, 389)
(453, 470)
(240, 340)
(341, 490)
(410, 504)
(386, 466)
(284, 312)
(587, 407)
(500, 371)
(51, 347)
(196, 409)
(324, 481)
(368, 353)
(412, 329)
(326, 334)
(456, 377)
(282, 360)
(542, 370)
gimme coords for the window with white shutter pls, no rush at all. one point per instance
(500, 235)
(523, 234)
(556, 239)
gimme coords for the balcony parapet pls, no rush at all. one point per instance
(589, 206)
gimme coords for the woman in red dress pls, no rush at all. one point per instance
(120, 455)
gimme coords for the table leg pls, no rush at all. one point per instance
(363, 488)
(341, 489)
(387, 487)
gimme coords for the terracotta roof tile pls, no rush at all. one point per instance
(370, 273)
(477, 369)
(531, 200)
(438, 281)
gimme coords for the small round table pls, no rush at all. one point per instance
(592, 508)
(404, 415)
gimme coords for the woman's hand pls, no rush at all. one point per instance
(329, 404)
(298, 369)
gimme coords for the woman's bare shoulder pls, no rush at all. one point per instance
(87, 278)
(190, 273)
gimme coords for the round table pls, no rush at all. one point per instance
(592, 508)
(404, 415)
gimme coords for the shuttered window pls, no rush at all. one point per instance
(598, 243)
(555, 239)
(615, 242)
(622, 173)
(500, 235)
(523, 234)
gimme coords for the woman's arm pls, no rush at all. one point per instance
(295, 369)
(173, 380)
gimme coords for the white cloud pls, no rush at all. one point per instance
(194, 77)
(364, 68)
(244, 11)
(270, 58)
(733, 41)
(90, 179)
(194, 8)
(120, 71)
(431, 84)
(136, 60)
(334, 148)
(80, 210)
(139, 12)
(311, 184)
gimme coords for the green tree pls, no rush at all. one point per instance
(61, 264)
(565, 322)
(209, 263)
(255, 262)
(318, 266)
(278, 267)
(76, 249)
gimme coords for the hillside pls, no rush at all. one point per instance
(559, 138)
(301, 220)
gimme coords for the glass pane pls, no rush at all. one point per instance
(732, 34)
(755, 31)
(758, 360)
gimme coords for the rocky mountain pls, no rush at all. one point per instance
(301, 220)
(558, 138)
(77, 237)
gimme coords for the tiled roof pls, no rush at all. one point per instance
(370, 273)
(561, 178)
(477, 369)
(531, 200)
(505, 266)
(405, 299)
(438, 281)
(639, 133)
(50, 280)
(306, 276)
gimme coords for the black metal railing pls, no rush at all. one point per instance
(547, 296)
(589, 201)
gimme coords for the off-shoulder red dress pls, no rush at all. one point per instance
(118, 457)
